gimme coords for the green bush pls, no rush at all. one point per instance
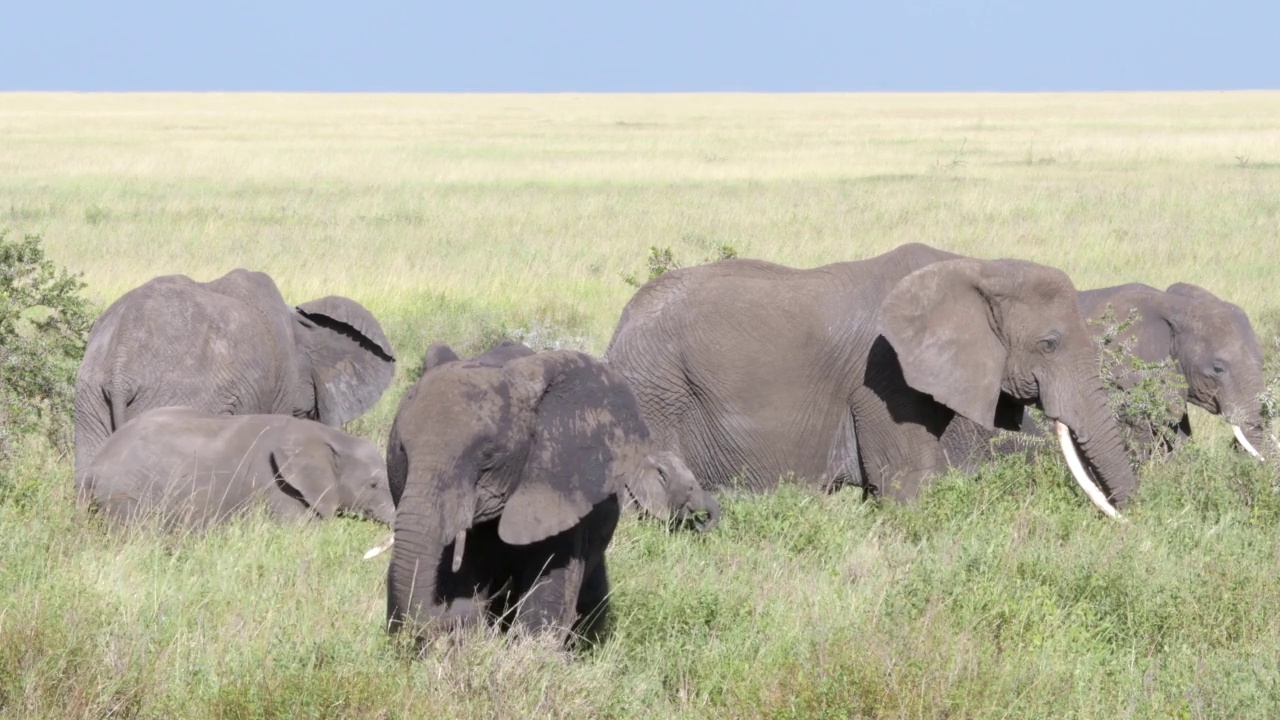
(44, 325)
(1148, 398)
(662, 260)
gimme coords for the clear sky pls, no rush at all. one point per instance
(639, 45)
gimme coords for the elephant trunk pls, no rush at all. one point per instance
(1090, 439)
(427, 523)
(708, 504)
(1243, 412)
(413, 572)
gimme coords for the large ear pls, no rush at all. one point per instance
(351, 359)
(940, 321)
(580, 425)
(438, 354)
(309, 474)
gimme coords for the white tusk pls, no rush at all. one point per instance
(1078, 472)
(1245, 443)
(459, 544)
(377, 550)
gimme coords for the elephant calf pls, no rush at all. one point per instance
(194, 469)
(506, 474)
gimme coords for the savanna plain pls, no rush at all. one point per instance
(466, 218)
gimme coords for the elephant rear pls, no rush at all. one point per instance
(170, 342)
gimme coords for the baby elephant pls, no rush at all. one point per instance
(506, 477)
(193, 469)
(664, 487)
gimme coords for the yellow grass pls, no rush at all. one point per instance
(448, 215)
(517, 199)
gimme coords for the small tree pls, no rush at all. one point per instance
(44, 325)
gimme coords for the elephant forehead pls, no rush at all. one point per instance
(452, 393)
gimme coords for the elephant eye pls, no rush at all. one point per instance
(1219, 368)
(1049, 344)
(487, 454)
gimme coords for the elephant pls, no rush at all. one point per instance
(195, 469)
(228, 346)
(666, 489)
(1217, 352)
(851, 373)
(506, 480)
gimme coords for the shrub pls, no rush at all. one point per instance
(1151, 405)
(662, 260)
(44, 325)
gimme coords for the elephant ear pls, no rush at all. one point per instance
(940, 322)
(650, 486)
(575, 453)
(350, 357)
(438, 354)
(309, 474)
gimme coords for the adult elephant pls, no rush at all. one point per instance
(190, 469)
(506, 482)
(229, 346)
(1217, 352)
(751, 369)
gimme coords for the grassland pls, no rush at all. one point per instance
(999, 595)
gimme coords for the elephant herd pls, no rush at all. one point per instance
(504, 475)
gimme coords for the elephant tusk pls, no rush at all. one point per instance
(1245, 443)
(1078, 472)
(459, 544)
(380, 548)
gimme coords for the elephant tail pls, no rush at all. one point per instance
(117, 395)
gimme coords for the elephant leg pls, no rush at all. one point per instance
(900, 448)
(592, 608)
(552, 576)
(593, 604)
(842, 462)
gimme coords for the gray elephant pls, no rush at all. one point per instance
(192, 469)
(228, 346)
(506, 479)
(666, 489)
(850, 373)
(1217, 352)
(1218, 360)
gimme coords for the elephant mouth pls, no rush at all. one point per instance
(700, 519)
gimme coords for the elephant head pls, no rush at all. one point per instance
(1211, 339)
(534, 444)
(345, 360)
(360, 477)
(987, 337)
(664, 487)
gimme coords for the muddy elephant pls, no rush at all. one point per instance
(851, 372)
(664, 489)
(1218, 354)
(229, 346)
(192, 469)
(506, 480)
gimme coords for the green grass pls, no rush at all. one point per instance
(454, 218)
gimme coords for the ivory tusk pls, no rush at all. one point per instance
(1245, 443)
(380, 548)
(459, 544)
(1078, 471)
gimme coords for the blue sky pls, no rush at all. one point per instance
(630, 46)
